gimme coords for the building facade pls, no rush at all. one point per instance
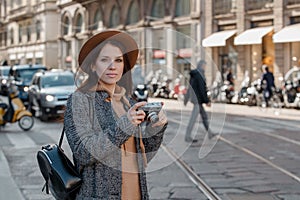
(28, 32)
(172, 34)
(246, 34)
(167, 32)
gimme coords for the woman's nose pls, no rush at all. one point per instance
(112, 65)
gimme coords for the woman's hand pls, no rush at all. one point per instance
(135, 115)
(162, 119)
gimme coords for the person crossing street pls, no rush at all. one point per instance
(197, 94)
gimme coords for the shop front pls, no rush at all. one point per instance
(289, 36)
(223, 52)
(259, 50)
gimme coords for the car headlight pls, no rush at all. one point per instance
(26, 89)
(4, 81)
(49, 98)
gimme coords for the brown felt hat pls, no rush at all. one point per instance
(125, 39)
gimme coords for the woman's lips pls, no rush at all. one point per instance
(111, 75)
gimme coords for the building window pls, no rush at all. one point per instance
(183, 8)
(20, 33)
(5, 38)
(133, 13)
(295, 20)
(79, 45)
(114, 17)
(261, 23)
(183, 39)
(28, 33)
(258, 4)
(29, 60)
(38, 30)
(158, 9)
(223, 6)
(11, 36)
(66, 26)
(79, 23)
(292, 2)
(1, 39)
(4, 42)
(97, 20)
(69, 48)
(38, 60)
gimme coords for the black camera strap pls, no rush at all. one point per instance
(61, 137)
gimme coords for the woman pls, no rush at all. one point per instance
(102, 122)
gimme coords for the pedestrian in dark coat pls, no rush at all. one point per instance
(102, 122)
(197, 94)
(268, 84)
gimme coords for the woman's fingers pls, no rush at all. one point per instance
(135, 115)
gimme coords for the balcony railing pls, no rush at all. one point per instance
(258, 4)
(21, 12)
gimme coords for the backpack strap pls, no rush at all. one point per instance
(46, 186)
(61, 137)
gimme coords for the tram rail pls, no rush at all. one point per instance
(197, 180)
(206, 189)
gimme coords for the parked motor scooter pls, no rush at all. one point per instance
(214, 93)
(227, 92)
(252, 95)
(179, 92)
(15, 111)
(291, 88)
(291, 95)
(141, 93)
(243, 94)
(163, 91)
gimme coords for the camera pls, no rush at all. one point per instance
(152, 109)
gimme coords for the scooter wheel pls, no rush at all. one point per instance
(26, 122)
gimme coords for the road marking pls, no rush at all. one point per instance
(20, 140)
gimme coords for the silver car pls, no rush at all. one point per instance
(48, 93)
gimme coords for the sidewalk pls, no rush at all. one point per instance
(235, 109)
(8, 187)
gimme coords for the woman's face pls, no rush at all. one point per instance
(109, 65)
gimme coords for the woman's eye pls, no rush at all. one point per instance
(104, 60)
(119, 60)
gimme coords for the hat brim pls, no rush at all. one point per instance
(125, 39)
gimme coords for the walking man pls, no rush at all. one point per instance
(197, 94)
(268, 84)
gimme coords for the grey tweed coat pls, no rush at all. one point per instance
(95, 137)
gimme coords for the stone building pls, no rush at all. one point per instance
(28, 32)
(167, 32)
(172, 34)
(246, 34)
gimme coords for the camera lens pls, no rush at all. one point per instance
(153, 117)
